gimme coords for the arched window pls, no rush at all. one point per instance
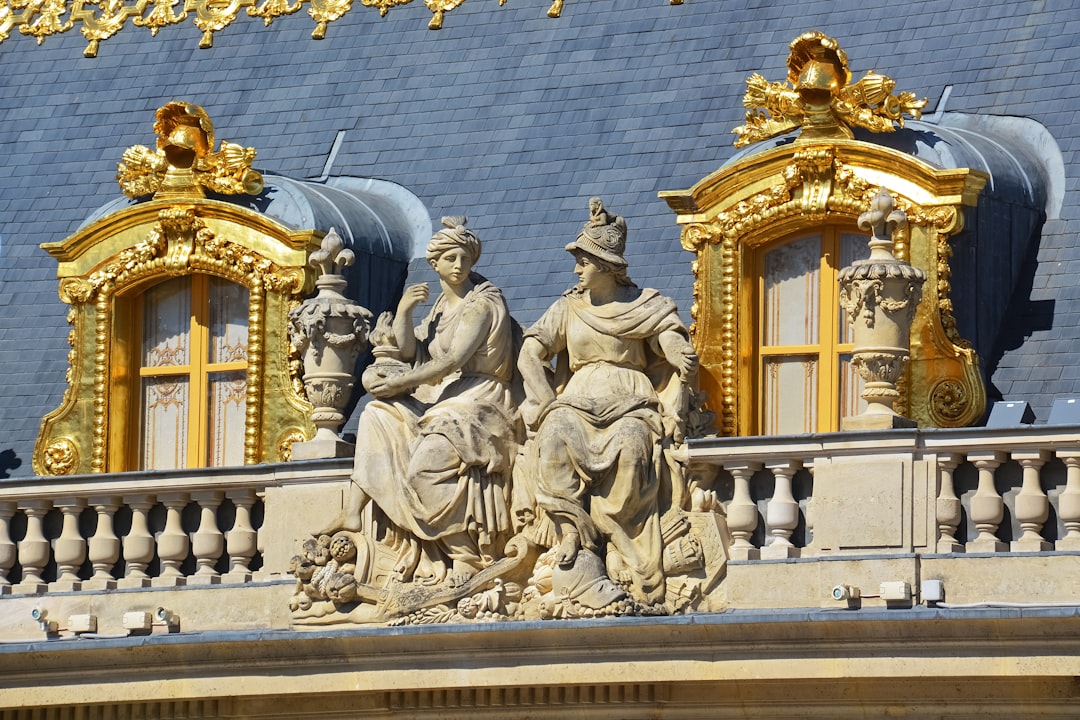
(770, 233)
(192, 374)
(802, 341)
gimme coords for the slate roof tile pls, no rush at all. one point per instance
(507, 116)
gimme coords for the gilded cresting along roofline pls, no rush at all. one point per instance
(179, 232)
(99, 20)
(825, 177)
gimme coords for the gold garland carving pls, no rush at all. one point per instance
(99, 20)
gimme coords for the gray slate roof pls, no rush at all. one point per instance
(514, 119)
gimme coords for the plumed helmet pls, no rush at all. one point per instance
(604, 235)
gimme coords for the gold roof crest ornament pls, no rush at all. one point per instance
(99, 20)
(185, 161)
(820, 97)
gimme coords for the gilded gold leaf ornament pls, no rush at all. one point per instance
(273, 9)
(326, 11)
(185, 160)
(697, 235)
(61, 457)
(7, 19)
(286, 441)
(110, 19)
(48, 22)
(212, 16)
(441, 7)
(162, 15)
(949, 400)
(819, 97)
(384, 6)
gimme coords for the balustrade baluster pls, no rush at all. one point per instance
(782, 512)
(260, 539)
(241, 539)
(7, 547)
(948, 504)
(70, 548)
(809, 550)
(104, 545)
(208, 543)
(742, 513)
(138, 543)
(1069, 501)
(34, 548)
(987, 507)
(173, 543)
(1032, 507)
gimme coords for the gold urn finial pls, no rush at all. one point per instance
(820, 98)
(185, 162)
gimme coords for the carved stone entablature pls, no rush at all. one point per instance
(742, 207)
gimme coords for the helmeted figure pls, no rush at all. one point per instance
(595, 463)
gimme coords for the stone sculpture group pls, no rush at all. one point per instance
(501, 475)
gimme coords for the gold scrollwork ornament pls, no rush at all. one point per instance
(285, 442)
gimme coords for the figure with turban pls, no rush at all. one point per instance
(435, 449)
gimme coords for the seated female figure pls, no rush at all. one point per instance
(437, 462)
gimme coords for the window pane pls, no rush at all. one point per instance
(227, 396)
(228, 321)
(165, 412)
(790, 395)
(852, 247)
(851, 387)
(792, 279)
(167, 324)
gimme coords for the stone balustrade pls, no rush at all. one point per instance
(156, 529)
(970, 491)
(961, 492)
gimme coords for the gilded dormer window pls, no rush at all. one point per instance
(771, 229)
(179, 312)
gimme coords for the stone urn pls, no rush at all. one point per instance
(329, 331)
(388, 362)
(880, 295)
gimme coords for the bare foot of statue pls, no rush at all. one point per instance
(461, 574)
(438, 574)
(350, 518)
(617, 569)
(568, 548)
